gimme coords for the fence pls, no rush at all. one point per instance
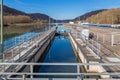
(78, 74)
(13, 42)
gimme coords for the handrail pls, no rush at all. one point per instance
(59, 74)
(72, 64)
(78, 72)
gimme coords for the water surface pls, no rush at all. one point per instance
(61, 51)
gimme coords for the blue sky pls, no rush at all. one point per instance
(61, 9)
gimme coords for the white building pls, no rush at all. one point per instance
(85, 34)
(71, 22)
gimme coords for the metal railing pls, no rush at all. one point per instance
(78, 74)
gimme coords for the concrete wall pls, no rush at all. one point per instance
(78, 51)
(39, 50)
(42, 47)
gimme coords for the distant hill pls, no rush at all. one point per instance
(11, 11)
(87, 15)
(110, 16)
(103, 16)
(64, 21)
(35, 16)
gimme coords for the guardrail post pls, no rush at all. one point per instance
(19, 51)
(23, 77)
(97, 36)
(13, 55)
(78, 71)
(31, 71)
(92, 44)
(103, 38)
(76, 34)
(4, 78)
(82, 77)
(112, 40)
(50, 79)
(111, 77)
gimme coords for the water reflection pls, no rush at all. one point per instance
(62, 29)
(12, 31)
(62, 37)
(16, 35)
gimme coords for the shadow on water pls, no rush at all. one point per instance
(60, 51)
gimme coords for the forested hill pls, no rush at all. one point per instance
(11, 11)
(87, 15)
(35, 16)
(111, 16)
(104, 16)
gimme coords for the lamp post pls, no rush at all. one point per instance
(1, 30)
(49, 22)
(79, 21)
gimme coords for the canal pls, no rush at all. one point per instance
(60, 51)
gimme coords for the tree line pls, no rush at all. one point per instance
(12, 19)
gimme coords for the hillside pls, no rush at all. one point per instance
(35, 16)
(111, 16)
(64, 21)
(89, 14)
(103, 16)
(11, 11)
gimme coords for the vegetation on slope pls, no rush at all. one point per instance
(89, 14)
(104, 16)
(111, 16)
(13, 16)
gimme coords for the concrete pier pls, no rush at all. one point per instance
(85, 55)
